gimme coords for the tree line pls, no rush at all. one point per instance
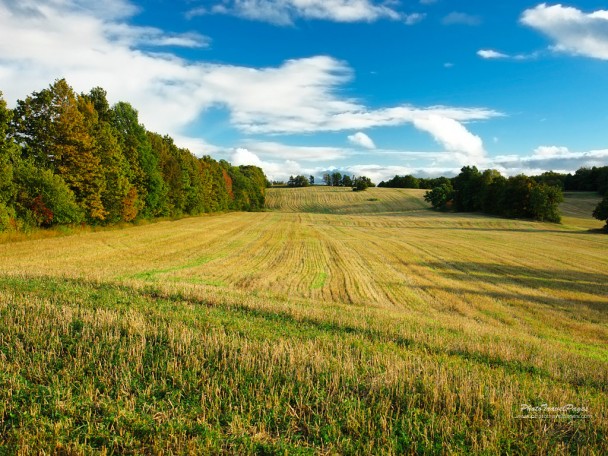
(70, 158)
(593, 179)
(410, 181)
(490, 192)
(535, 197)
(335, 179)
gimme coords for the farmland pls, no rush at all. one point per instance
(334, 322)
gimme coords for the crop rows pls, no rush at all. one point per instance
(314, 331)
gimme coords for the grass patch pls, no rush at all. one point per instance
(319, 281)
(93, 367)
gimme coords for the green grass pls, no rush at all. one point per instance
(294, 332)
(123, 370)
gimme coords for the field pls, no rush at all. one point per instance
(333, 323)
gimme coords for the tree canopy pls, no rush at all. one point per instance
(71, 158)
(601, 211)
(516, 197)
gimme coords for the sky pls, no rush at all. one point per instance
(365, 87)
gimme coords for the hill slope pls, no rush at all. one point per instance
(307, 333)
(338, 200)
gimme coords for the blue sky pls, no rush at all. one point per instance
(363, 86)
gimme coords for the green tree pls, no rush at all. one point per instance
(8, 158)
(53, 133)
(174, 174)
(298, 181)
(32, 126)
(115, 168)
(440, 196)
(144, 173)
(601, 211)
(347, 181)
(74, 152)
(544, 203)
(467, 189)
(336, 179)
(516, 199)
(492, 192)
(362, 183)
(43, 198)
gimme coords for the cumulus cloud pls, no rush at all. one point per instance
(456, 18)
(490, 54)
(572, 30)
(550, 151)
(362, 140)
(285, 12)
(274, 170)
(89, 46)
(453, 136)
(242, 156)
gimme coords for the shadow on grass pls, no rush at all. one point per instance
(511, 230)
(553, 302)
(498, 274)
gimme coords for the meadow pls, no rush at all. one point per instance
(336, 322)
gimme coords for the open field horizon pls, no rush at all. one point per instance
(335, 322)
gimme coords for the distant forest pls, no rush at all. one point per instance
(70, 158)
(535, 197)
(593, 179)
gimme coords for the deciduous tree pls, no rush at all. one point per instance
(601, 211)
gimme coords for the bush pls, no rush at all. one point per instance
(44, 199)
(440, 196)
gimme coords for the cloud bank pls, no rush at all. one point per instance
(572, 30)
(92, 44)
(286, 12)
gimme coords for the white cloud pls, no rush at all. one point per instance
(41, 41)
(242, 156)
(197, 146)
(196, 12)
(133, 36)
(556, 158)
(550, 152)
(274, 170)
(362, 140)
(414, 18)
(490, 54)
(279, 166)
(428, 164)
(456, 18)
(453, 136)
(274, 150)
(572, 30)
(285, 12)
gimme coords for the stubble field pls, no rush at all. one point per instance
(334, 323)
